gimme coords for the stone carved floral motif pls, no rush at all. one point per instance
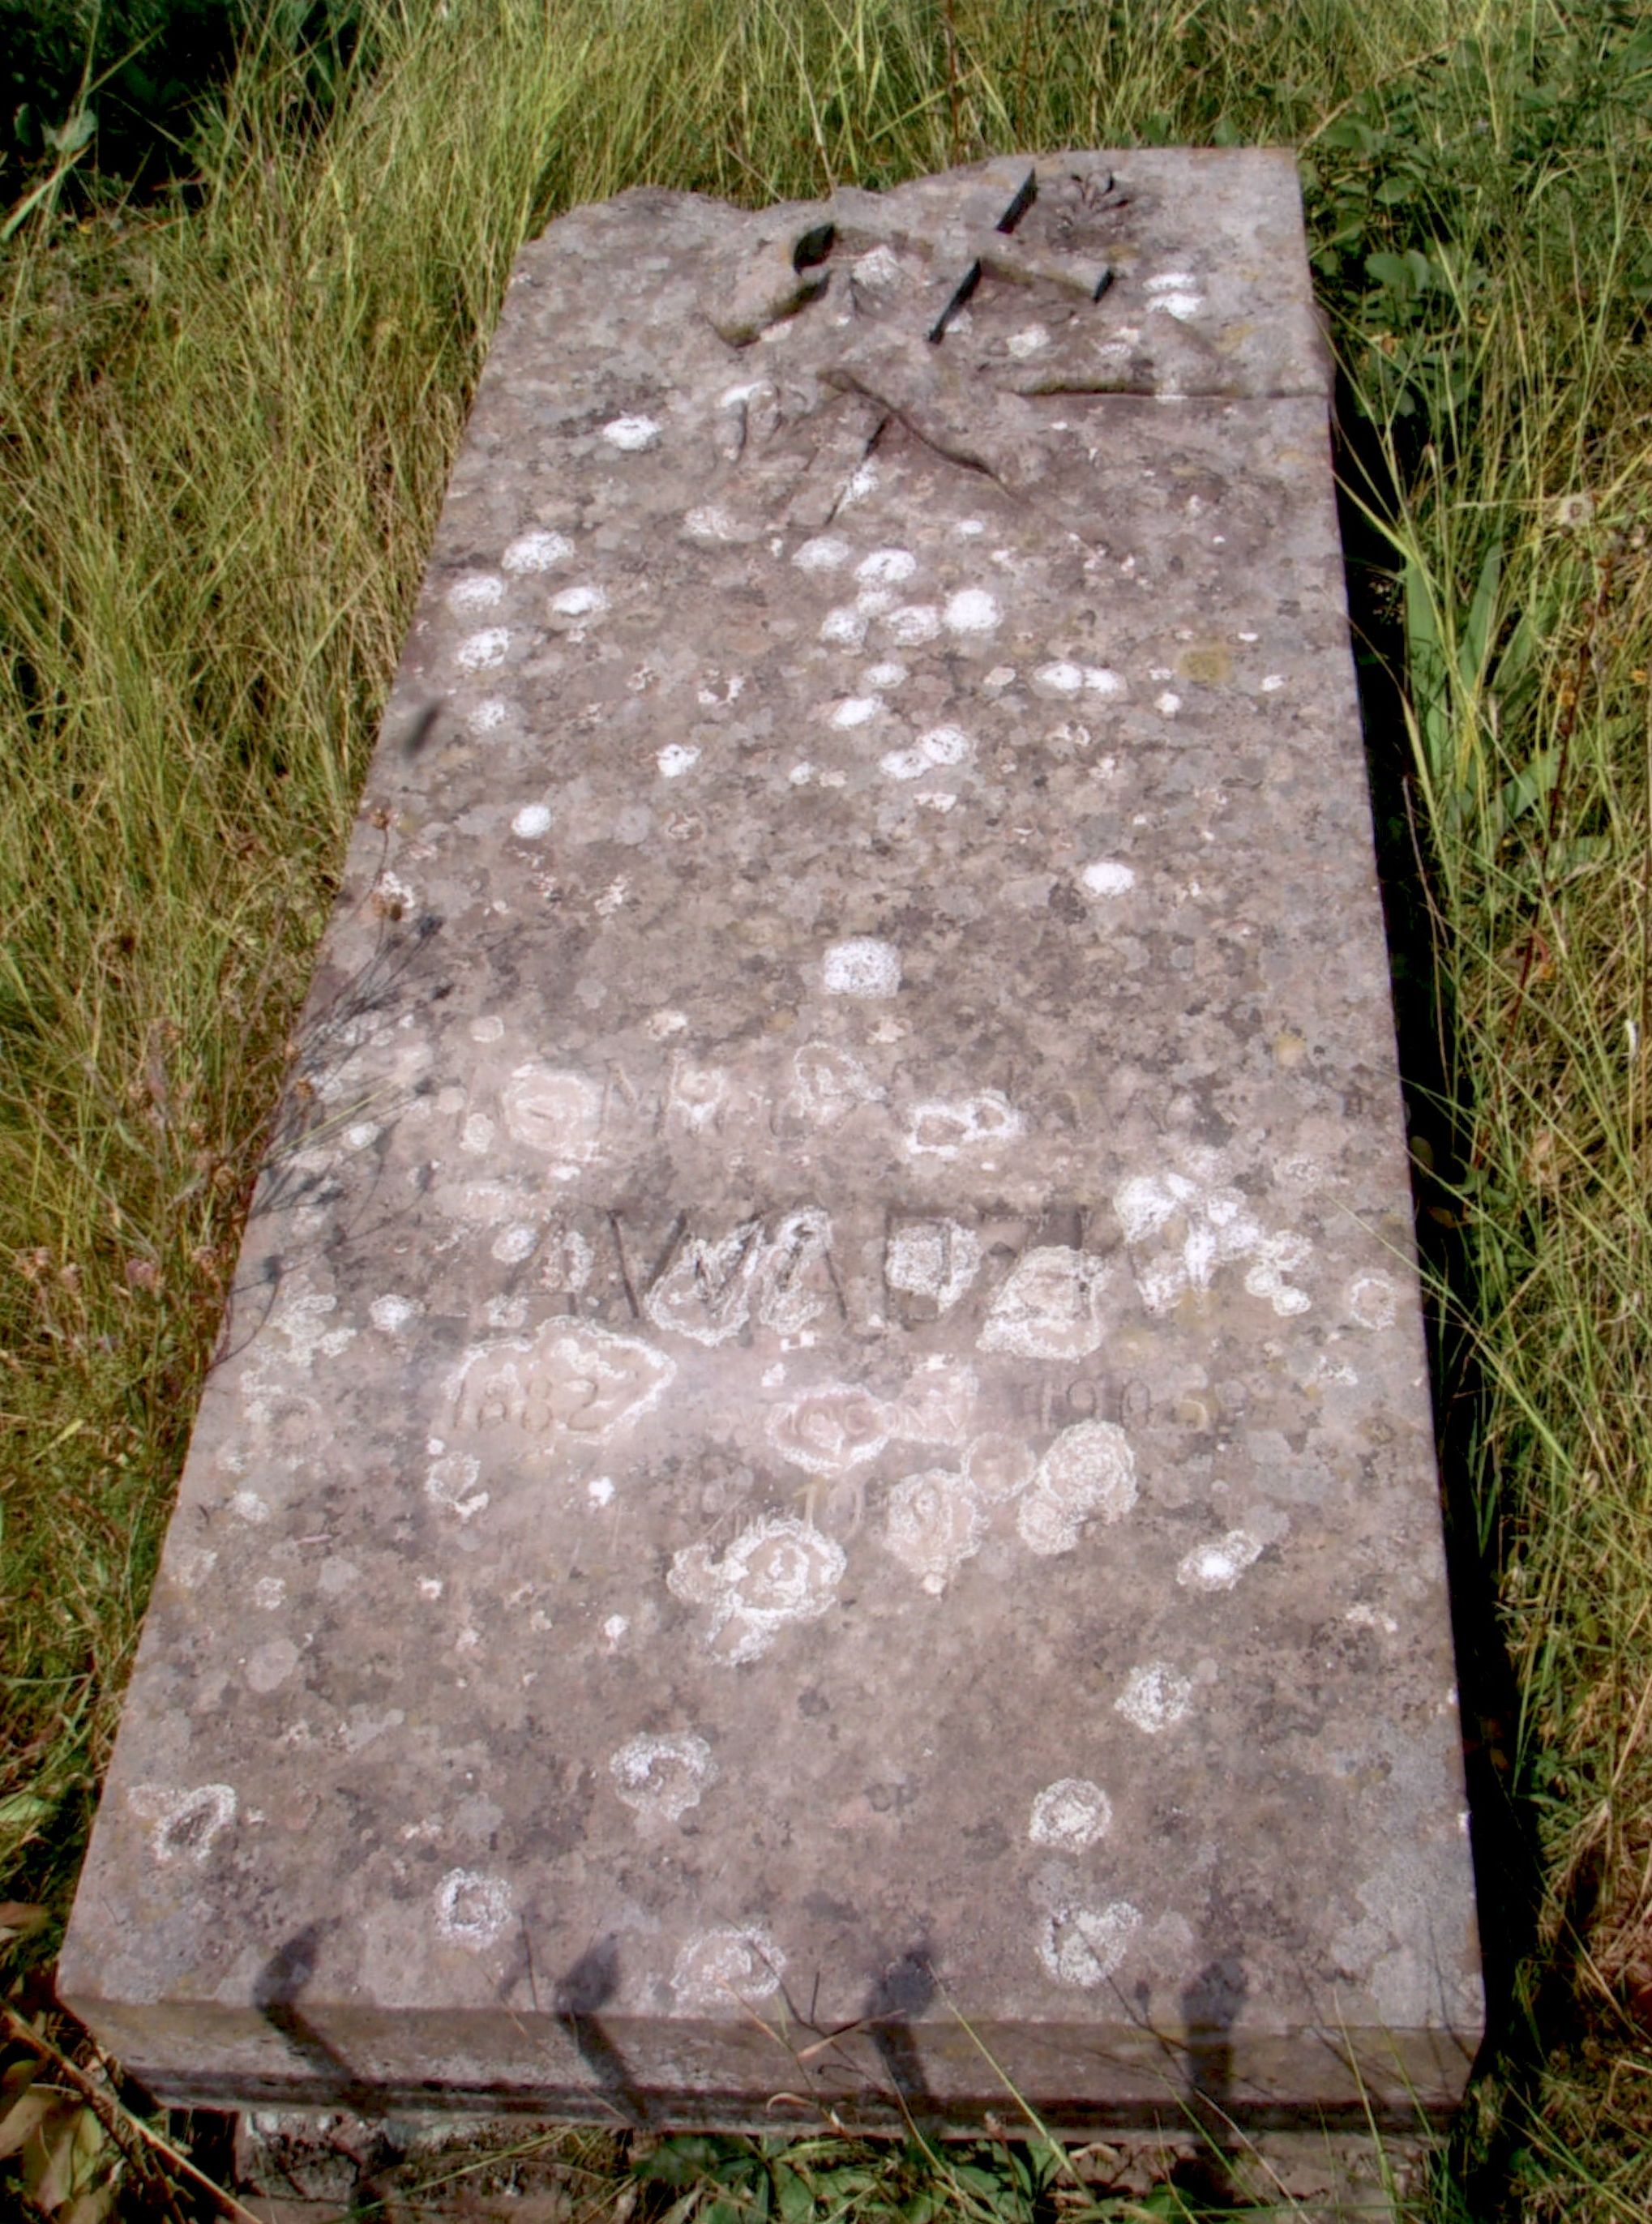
(779, 1569)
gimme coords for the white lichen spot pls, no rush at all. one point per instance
(945, 745)
(830, 1428)
(537, 552)
(571, 1377)
(476, 1136)
(1167, 704)
(828, 1084)
(484, 717)
(779, 1569)
(1072, 1814)
(1098, 680)
(1155, 1699)
(857, 710)
(476, 591)
(1000, 1467)
(361, 1134)
(933, 1258)
(1088, 1474)
(1175, 294)
(451, 1481)
(1030, 340)
(863, 481)
(512, 1244)
(1370, 1617)
(971, 611)
(631, 434)
(190, 1567)
(913, 624)
(489, 1028)
(676, 759)
(944, 1130)
(531, 821)
(586, 601)
(1107, 877)
(877, 267)
(554, 1109)
(471, 1908)
(887, 567)
(712, 522)
(1273, 683)
(662, 1777)
(1219, 1565)
(1182, 1227)
(861, 966)
(728, 1968)
(885, 675)
(1061, 678)
(1373, 1301)
(933, 1525)
(1049, 1306)
(268, 1592)
(600, 1490)
(268, 1666)
(430, 1586)
(615, 1629)
(480, 651)
(845, 627)
(706, 1292)
(1277, 1256)
(1083, 1946)
(825, 553)
(392, 1312)
(248, 1507)
(183, 1824)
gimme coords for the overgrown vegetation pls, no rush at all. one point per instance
(226, 415)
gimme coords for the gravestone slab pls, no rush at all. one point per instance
(821, 1493)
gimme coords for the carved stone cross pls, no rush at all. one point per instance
(992, 254)
(783, 261)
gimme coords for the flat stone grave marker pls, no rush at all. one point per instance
(821, 1495)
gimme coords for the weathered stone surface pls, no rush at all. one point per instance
(822, 1479)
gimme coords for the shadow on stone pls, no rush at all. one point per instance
(588, 1985)
(276, 1995)
(905, 1989)
(1211, 2003)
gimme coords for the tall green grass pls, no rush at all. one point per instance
(226, 416)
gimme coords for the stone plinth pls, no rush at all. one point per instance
(822, 1481)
